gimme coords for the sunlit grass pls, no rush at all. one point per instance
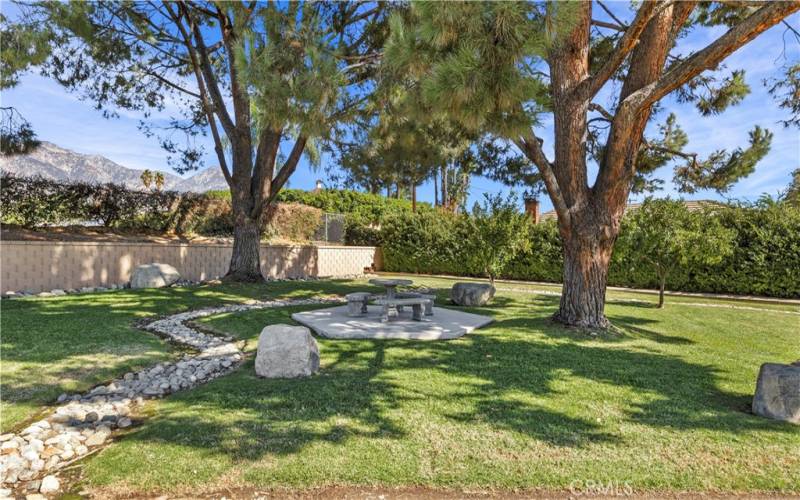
(521, 403)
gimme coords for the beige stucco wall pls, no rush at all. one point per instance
(44, 265)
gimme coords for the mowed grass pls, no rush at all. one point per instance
(65, 344)
(519, 404)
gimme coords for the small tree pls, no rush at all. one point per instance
(664, 235)
(499, 233)
(147, 178)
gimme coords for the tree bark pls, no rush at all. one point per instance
(435, 187)
(661, 285)
(245, 260)
(583, 297)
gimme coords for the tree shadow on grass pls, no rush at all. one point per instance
(496, 377)
(83, 339)
(246, 417)
(507, 376)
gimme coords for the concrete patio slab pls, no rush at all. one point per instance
(445, 324)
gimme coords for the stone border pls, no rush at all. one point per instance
(57, 292)
(84, 422)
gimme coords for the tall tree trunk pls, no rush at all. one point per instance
(435, 187)
(245, 258)
(662, 281)
(445, 199)
(587, 255)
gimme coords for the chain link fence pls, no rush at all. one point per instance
(331, 229)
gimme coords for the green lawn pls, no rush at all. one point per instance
(70, 343)
(518, 404)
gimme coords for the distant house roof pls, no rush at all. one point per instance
(692, 205)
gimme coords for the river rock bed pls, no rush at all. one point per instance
(57, 292)
(84, 422)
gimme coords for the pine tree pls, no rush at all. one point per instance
(499, 66)
(261, 78)
(21, 47)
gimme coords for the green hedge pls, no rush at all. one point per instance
(765, 259)
(370, 207)
(36, 202)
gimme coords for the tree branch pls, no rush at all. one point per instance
(707, 58)
(268, 143)
(603, 112)
(208, 73)
(611, 14)
(171, 84)
(531, 146)
(610, 26)
(592, 85)
(212, 123)
(674, 152)
(283, 175)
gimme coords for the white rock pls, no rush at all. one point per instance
(9, 445)
(50, 484)
(286, 352)
(155, 275)
(30, 454)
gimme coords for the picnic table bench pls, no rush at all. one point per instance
(392, 302)
(390, 307)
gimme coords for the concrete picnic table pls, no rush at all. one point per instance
(390, 285)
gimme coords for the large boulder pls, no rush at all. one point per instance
(471, 294)
(286, 352)
(778, 392)
(154, 275)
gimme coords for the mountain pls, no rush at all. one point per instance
(60, 164)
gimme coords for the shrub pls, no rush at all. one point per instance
(292, 221)
(370, 207)
(496, 234)
(33, 202)
(425, 242)
(36, 201)
(764, 258)
(542, 260)
(360, 231)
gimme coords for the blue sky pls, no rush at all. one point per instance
(60, 117)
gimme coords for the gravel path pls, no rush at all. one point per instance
(31, 458)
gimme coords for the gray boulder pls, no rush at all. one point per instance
(778, 392)
(286, 352)
(471, 294)
(154, 275)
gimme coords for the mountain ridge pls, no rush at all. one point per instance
(61, 164)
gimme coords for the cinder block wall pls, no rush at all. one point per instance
(38, 266)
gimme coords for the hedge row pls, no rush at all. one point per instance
(36, 202)
(765, 258)
(366, 206)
